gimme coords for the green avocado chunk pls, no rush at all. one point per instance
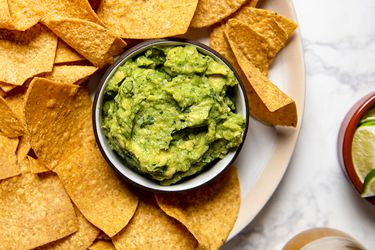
(169, 112)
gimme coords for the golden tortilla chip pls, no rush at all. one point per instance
(147, 19)
(209, 12)
(251, 16)
(34, 211)
(56, 115)
(96, 43)
(26, 54)
(274, 34)
(36, 167)
(71, 74)
(65, 54)
(10, 124)
(80, 240)
(97, 191)
(267, 102)
(151, 228)
(102, 245)
(8, 159)
(254, 46)
(23, 14)
(209, 212)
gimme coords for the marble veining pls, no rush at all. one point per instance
(339, 46)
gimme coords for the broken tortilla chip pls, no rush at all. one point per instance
(151, 228)
(80, 240)
(56, 115)
(267, 102)
(209, 212)
(102, 245)
(8, 159)
(147, 19)
(209, 12)
(34, 211)
(71, 74)
(94, 42)
(252, 45)
(104, 200)
(26, 54)
(10, 124)
(65, 54)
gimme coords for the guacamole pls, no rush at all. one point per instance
(169, 112)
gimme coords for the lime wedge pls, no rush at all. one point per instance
(363, 150)
(368, 117)
(369, 185)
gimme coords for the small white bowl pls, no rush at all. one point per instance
(119, 165)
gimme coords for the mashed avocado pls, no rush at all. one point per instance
(168, 112)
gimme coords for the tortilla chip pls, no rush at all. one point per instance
(36, 167)
(26, 54)
(23, 14)
(147, 19)
(104, 200)
(10, 124)
(80, 240)
(274, 34)
(34, 211)
(267, 102)
(7, 87)
(8, 159)
(210, 12)
(151, 228)
(102, 245)
(56, 115)
(254, 46)
(65, 54)
(96, 43)
(71, 74)
(209, 212)
(23, 148)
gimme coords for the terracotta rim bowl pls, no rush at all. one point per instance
(345, 139)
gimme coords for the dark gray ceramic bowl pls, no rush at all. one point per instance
(120, 166)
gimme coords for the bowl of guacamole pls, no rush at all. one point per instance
(170, 115)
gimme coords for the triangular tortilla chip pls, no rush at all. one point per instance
(151, 228)
(8, 159)
(209, 212)
(56, 115)
(102, 245)
(267, 102)
(210, 12)
(97, 191)
(147, 19)
(96, 43)
(26, 54)
(71, 74)
(65, 54)
(253, 45)
(34, 211)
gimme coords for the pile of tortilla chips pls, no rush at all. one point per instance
(56, 190)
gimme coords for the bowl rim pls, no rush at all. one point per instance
(135, 50)
(345, 139)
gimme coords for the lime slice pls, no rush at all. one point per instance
(369, 116)
(369, 185)
(363, 150)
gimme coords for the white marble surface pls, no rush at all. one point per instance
(339, 44)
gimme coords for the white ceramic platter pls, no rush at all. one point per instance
(267, 151)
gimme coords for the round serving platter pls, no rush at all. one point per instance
(267, 151)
